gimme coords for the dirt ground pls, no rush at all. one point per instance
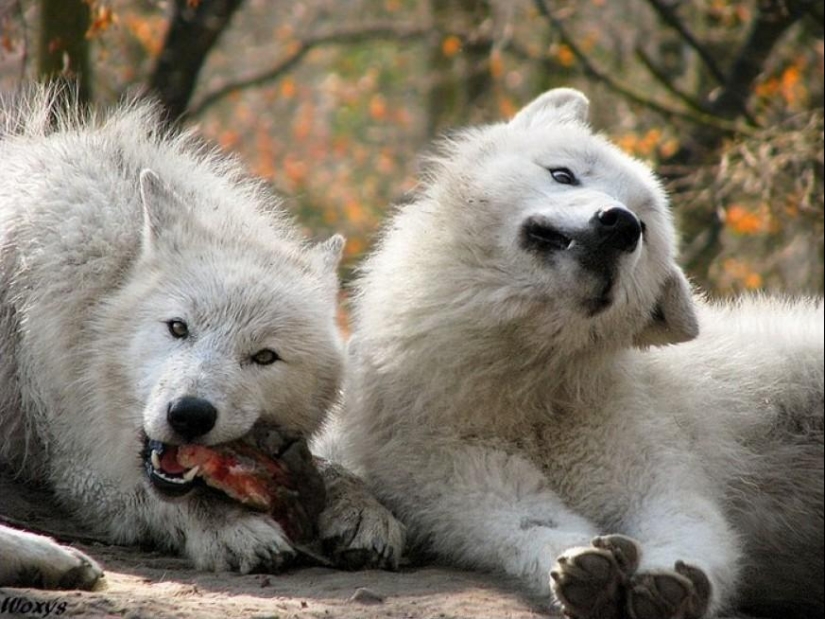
(142, 584)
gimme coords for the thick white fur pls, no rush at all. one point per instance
(30, 560)
(507, 426)
(109, 228)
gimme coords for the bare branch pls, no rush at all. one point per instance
(301, 47)
(772, 21)
(709, 120)
(670, 17)
(700, 253)
(667, 83)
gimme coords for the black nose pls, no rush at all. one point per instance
(191, 417)
(618, 228)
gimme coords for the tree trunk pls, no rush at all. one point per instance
(193, 31)
(63, 50)
(772, 20)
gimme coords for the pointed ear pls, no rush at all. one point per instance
(329, 253)
(674, 318)
(155, 197)
(559, 105)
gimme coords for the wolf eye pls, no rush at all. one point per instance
(178, 329)
(265, 356)
(563, 176)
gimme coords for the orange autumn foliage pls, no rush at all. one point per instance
(742, 220)
(102, 17)
(451, 46)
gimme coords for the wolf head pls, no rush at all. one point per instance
(225, 321)
(601, 219)
(540, 229)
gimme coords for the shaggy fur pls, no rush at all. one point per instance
(532, 388)
(138, 268)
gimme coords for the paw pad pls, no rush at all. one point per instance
(588, 582)
(680, 594)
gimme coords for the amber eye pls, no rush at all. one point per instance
(265, 356)
(178, 329)
(564, 176)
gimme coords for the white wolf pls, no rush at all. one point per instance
(513, 397)
(150, 294)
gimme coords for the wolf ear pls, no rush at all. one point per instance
(326, 256)
(329, 253)
(674, 318)
(554, 106)
(155, 197)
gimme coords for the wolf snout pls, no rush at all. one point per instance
(191, 417)
(617, 228)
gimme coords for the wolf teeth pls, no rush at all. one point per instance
(181, 481)
(185, 478)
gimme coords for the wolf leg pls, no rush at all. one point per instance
(30, 560)
(356, 530)
(480, 507)
(689, 560)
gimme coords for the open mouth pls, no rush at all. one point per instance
(173, 472)
(165, 473)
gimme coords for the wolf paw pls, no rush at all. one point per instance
(84, 572)
(38, 561)
(680, 594)
(356, 530)
(370, 537)
(589, 582)
(250, 543)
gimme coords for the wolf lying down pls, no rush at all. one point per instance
(533, 389)
(152, 297)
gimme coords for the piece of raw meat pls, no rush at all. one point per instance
(269, 471)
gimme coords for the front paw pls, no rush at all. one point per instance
(249, 542)
(589, 582)
(40, 562)
(356, 530)
(365, 537)
(83, 573)
(683, 593)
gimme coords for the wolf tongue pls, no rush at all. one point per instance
(169, 461)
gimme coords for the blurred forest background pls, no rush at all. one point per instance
(333, 102)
